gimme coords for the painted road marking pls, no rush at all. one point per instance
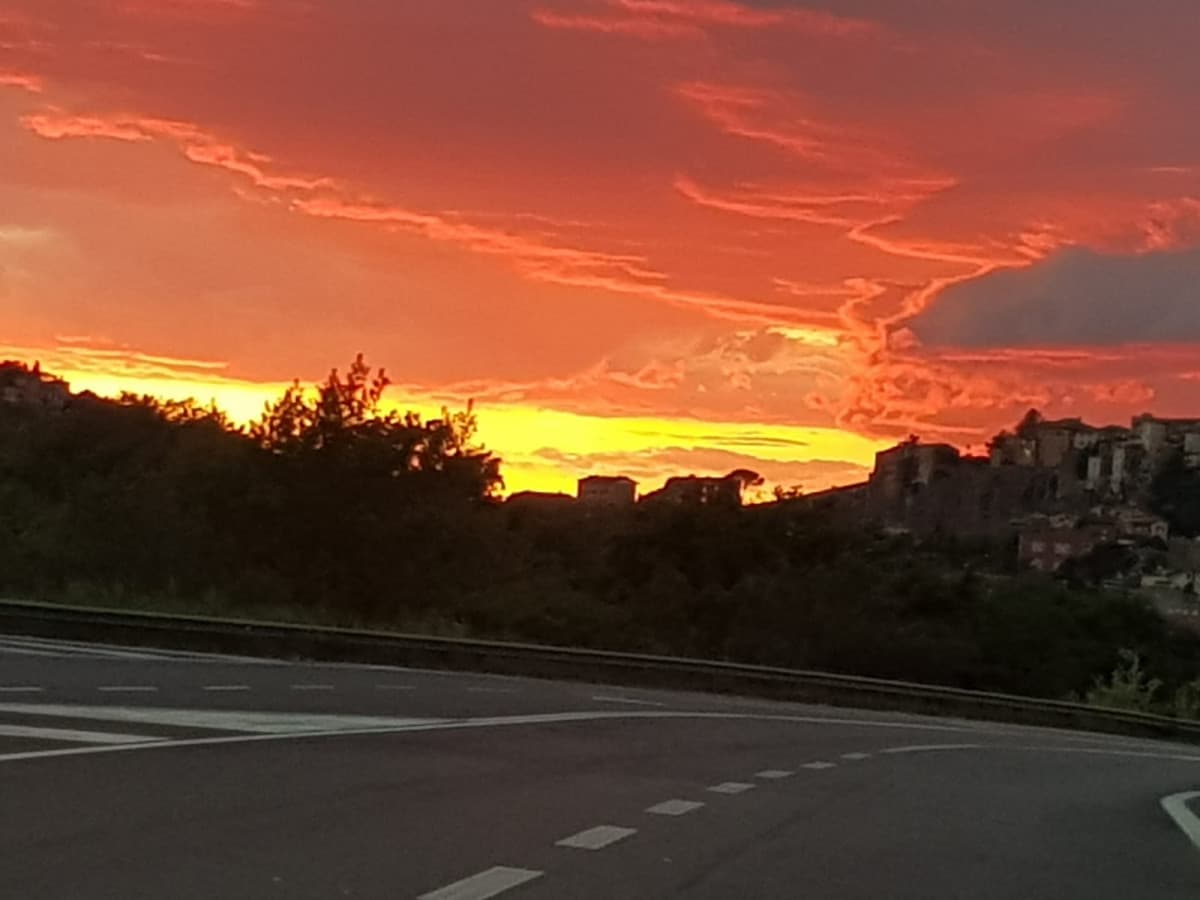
(36, 647)
(127, 688)
(603, 698)
(397, 727)
(856, 756)
(731, 787)
(489, 883)
(774, 774)
(1176, 806)
(674, 807)
(20, 689)
(220, 720)
(8, 650)
(311, 687)
(931, 748)
(61, 648)
(819, 764)
(596, 838)
(226, 687)
(73, 735)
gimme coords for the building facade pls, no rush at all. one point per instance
(607, 490)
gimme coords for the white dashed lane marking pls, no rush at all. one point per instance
(674, 807)
(226, 687)
(931, 748)
(856, 756)
(20, 689)
(489, 883)
(311, 687)
(596, 838)
(731, 787)
(819, 764)
(774, 774)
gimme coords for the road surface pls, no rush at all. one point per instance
(150, 774)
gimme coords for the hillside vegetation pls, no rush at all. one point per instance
(329, 510)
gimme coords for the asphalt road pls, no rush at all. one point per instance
(131, 774)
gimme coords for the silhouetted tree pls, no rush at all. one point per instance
(342, 420)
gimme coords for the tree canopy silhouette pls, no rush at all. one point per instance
(343, 423)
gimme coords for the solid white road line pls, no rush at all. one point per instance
(596, 838)
(489, 883)
(856, 756)
(60, 648)
(1176, 806)
(674, 807)
(9, 650)
(819, 764)
(731, 787)
(72, 734)
(311, 687)
(226, 687)
(34, 647)
(931, 748)
(774, 774)
(127, 688)
(604, 698)
(20, 689)
(398, 727)
(219, 720)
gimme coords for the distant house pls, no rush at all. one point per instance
(1047, 548)
(607, 490)
(22, 386)
(906, 469)
(696, 490)
(539, 500)
(1137, 523)
(1161, 435)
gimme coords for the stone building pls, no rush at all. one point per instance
(607, 490)
(22, 386)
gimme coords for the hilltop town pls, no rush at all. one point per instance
(1059, 491)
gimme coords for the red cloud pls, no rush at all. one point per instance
(740, 16)
(643, 29)
(667, 19)
(31, 83)
(206, 11)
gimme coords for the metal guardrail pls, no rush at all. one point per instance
(289, 641)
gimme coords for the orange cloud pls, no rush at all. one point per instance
(745, 221)
(536, 259)
(194, 143)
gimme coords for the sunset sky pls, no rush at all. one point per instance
(646, 236)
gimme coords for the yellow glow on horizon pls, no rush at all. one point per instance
(520, 434)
